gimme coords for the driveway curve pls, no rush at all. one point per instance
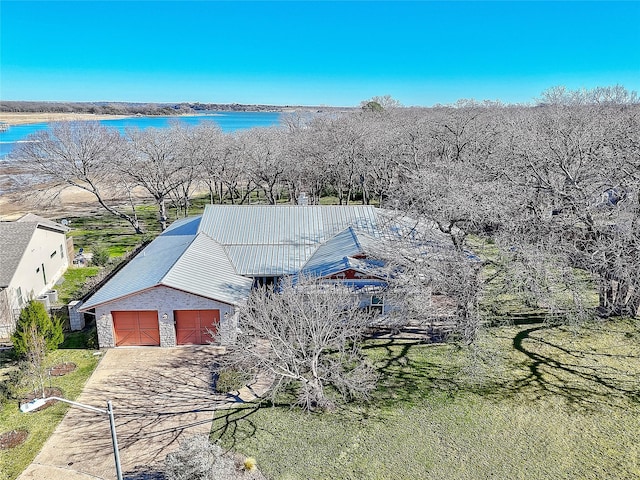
(159, 396)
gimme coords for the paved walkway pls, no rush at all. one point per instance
(159, 396)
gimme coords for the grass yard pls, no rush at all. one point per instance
(73, 283)
(41, 424)
(531, 402)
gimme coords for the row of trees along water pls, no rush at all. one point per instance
(552, 188)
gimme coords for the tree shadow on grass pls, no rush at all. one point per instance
(233, 424)
(408, 372)
(535, 364)
(584, 378)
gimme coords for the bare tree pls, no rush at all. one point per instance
(35, 355)
(82, 155)
(155, 164)
(263, 153)
(308, 334)
(571, 169)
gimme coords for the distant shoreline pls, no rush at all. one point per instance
(26, 118)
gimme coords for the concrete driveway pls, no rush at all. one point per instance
(159, 396)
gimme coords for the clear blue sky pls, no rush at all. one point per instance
(313, 53)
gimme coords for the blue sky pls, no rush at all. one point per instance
(313, 53)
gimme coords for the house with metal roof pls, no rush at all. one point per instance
(188, 282)
(34, 254)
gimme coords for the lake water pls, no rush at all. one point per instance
(227, 121)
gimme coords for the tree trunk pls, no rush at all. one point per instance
(162, 212)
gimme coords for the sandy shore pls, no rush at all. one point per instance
(21, 118)
(71, 201)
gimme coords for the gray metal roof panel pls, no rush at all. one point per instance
(184, 226)
(333, 250)
(144, 271)
(204, 269)
(268, 260)
(273, 240)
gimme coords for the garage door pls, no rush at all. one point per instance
(136, 328)
(192, 326)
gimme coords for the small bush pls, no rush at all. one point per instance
(10, 385)
(50, 328)
(100, 256)
(198, 459)
(91, 338)
(84, 339)
(231, 380)
(250, 464)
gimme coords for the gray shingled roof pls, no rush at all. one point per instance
(14, 238)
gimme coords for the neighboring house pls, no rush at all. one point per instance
(34, 254)
(188, 282)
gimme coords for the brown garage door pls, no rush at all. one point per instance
(192, 326)
(136, 328)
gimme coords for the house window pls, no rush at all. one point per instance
(53, 254)
(19, 295)
(61, 251)
(377, 304)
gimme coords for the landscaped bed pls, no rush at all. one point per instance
(531, 402)
(40, 425)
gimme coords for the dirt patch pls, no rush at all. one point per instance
(22, 118)
(62, 369)
(12, 439)
(48, 392)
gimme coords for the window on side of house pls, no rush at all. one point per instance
(377, 304)
(53, 254)
(61, 251)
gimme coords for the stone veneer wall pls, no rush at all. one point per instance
(104, 326)
(164, 300)
(76, 318)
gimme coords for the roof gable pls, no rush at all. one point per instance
(144, 271)
(204, 269)
(275, 240)
(14, 238)
(42, 222)
(337, 255)
(191, 263)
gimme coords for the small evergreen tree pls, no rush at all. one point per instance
(35, 316)
(100, 256)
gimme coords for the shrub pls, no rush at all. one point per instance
(100, 256)
(35, 314)
(231, 380)
(10, 385)
(198, 459)
(91, 338)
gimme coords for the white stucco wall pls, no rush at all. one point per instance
(163, 300)
(46, 250)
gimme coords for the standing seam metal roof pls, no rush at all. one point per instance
(194, 264)
(274, 240)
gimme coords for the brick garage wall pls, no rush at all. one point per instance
(164, 300)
